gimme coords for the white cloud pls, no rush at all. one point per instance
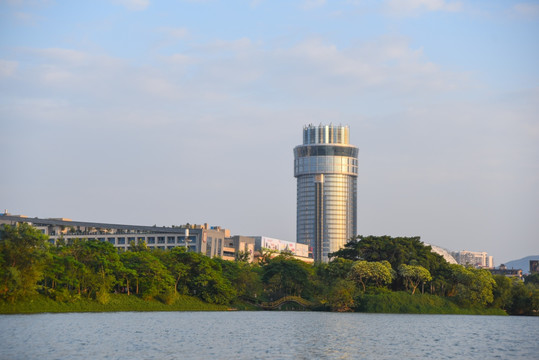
(26, 18)
(56, 75)
(387, 62)
(179, 59)
(134, 5)
(225, 73)
(33, 3)
(8, 68)
(175, 33)
(229, 45)
(408, 7)
(312, 4)
(255, 3)
(59, 54)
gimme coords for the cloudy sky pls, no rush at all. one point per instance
(167, 112)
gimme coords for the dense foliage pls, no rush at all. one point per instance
(381, 274)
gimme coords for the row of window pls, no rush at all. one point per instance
(150, 240)
(326, 160)
(326, 164)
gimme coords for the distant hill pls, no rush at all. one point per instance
(523, 263)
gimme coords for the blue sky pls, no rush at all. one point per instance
(146, 112)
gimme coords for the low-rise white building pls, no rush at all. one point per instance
(473, 258)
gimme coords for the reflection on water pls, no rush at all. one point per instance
(266, 335)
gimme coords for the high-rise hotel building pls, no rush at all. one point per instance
(326, 166)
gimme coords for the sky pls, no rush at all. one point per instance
(171, 112)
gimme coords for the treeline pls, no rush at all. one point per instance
(369, 274)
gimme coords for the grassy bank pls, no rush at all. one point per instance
(399, 302)
(390, 302)
(43, 304)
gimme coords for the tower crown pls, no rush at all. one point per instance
(326, 134)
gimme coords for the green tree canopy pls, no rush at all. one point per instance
(502, 297)
(471, 287)
(396, 250)
(414, 275)
(172, 259)
(23, 255)
(204, 278)
(285, 276)
(377, 273)
(151, 278)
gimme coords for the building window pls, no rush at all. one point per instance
(121, 241)
(170, 240)
(160, 239)
(151, 240)
(112, 241)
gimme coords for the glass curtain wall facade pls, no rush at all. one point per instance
(326, 167)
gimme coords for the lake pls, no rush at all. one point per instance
(266, 335)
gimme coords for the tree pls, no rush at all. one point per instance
(243, 276)
(471, 286)
(532, 279)
(141, 246)
(284, 276)
(126, 274)
(23, 253)
(397, 251)
(502, 296)
(266, 255)
(374, 272)
(414, 275)
(339, 268)
(205, 279)
(525, 299)
(242, 256)
(152, 278)
(328, 273)
(100, 261)
(341, 296)
(178, 269)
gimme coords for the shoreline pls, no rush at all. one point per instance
(41, 304)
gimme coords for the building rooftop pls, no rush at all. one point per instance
(68, 222)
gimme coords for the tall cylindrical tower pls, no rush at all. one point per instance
(326, 167)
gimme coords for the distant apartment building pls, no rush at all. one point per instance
(473, 258)
(210, 241)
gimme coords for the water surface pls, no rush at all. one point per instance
(266, 335)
